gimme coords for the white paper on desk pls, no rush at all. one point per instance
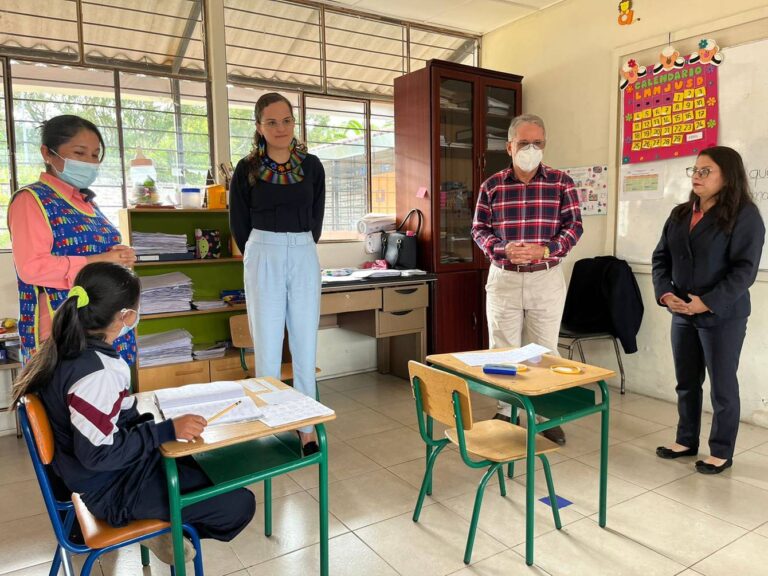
(507, 356)
(255, 385)
(281, 397)
(289, 412)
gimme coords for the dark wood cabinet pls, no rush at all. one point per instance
(451, 125)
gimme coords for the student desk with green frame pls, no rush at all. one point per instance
(560, 397)
(237, 455)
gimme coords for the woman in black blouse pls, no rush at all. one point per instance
(277, 201)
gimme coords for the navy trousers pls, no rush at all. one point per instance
(716, 349)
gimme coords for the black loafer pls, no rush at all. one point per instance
(704, 468)
(556, 435)
(310, 448)
(502, 417)
(669, 454)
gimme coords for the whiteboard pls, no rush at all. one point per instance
(743, 95)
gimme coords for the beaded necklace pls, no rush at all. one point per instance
(289, 172)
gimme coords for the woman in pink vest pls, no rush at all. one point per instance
(57, 228)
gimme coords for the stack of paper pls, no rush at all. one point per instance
(209, 304)
(288, 406)
(158, 243)
(166, 293)
(371, 223)
(165, 348)
(374, 273)
(208, 351)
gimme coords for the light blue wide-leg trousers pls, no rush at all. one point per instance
(282, 288)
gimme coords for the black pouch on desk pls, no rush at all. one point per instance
(400, 250)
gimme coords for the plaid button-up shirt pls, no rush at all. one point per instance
(545, 211)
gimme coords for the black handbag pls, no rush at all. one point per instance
(400, 250)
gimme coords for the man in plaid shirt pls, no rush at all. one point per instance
(527, 219)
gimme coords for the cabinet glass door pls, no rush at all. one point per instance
(456, 171)
(500, 104)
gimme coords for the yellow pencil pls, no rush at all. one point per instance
(222, 412)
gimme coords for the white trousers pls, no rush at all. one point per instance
(524, 307)
(282, 288)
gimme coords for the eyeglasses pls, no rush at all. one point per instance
(538, 144)
(703, 172)
(273, 124)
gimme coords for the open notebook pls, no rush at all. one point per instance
(206, 400)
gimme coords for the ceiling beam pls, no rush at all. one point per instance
(186, 37)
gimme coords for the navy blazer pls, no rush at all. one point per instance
(717, 267)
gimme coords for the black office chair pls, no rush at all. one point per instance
(603, 303)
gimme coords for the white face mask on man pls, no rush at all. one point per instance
(528, 158)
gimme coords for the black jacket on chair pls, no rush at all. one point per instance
(707, 262)
(603, 296)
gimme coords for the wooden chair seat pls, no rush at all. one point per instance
(99, 534)
(499, 441)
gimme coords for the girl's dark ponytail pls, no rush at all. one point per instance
(104, 289)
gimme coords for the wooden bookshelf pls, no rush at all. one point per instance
(192, 261)
(224, 310)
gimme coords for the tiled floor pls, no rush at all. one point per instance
(663, 518)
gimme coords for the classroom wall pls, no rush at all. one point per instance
(567, 57)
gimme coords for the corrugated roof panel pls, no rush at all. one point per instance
(44, 27)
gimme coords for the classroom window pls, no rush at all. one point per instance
(430, 44)
(337, 133)
(41, 91)
(383, 157)
(167, 120)
(5, 167)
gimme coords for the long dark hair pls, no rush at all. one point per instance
(259, 142)
(61, 129)
(110, 288)
(732, 196)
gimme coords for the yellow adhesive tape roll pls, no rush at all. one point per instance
(566, 369)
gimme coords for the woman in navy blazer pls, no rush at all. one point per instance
(703, 266)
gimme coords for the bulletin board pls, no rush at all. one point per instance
(648, 190)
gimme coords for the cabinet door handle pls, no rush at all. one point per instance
(403, 313)
(406, 290)
(474, 321)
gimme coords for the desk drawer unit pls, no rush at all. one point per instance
(338, 303)
(400, 321)
(405, 298)
(228, 368)
(172, 375)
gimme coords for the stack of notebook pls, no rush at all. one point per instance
(165, 348)
(166, 293)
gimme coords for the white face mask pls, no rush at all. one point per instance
(528, 158)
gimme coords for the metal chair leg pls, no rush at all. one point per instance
(427, 482)
(581, 350)
(502, 483)
(476, 512)
(621, 365)
(551, 489)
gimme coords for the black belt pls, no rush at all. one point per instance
(537, 267)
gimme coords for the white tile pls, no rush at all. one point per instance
(718, 495)
(15, 468)
(451, 477)
(404, 411)
(360, 423)
(348, 556)
(390, 447)
(218, 560)
(380, 394)
(583, 548)
(348, 382)
(750, 467)
(745, 557)
(20, 499)
(677, 531)
(340, 403)
(763, 530)
(622, 426)
(638, 465)
(295, 524)
(580, 440)
(433, 546)
(26, 542)
(343, 462)
(504, 564)
(650, 409)
(370, 498)
(281, 486)
(579, 483)
(761, 449)
(504, 517)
